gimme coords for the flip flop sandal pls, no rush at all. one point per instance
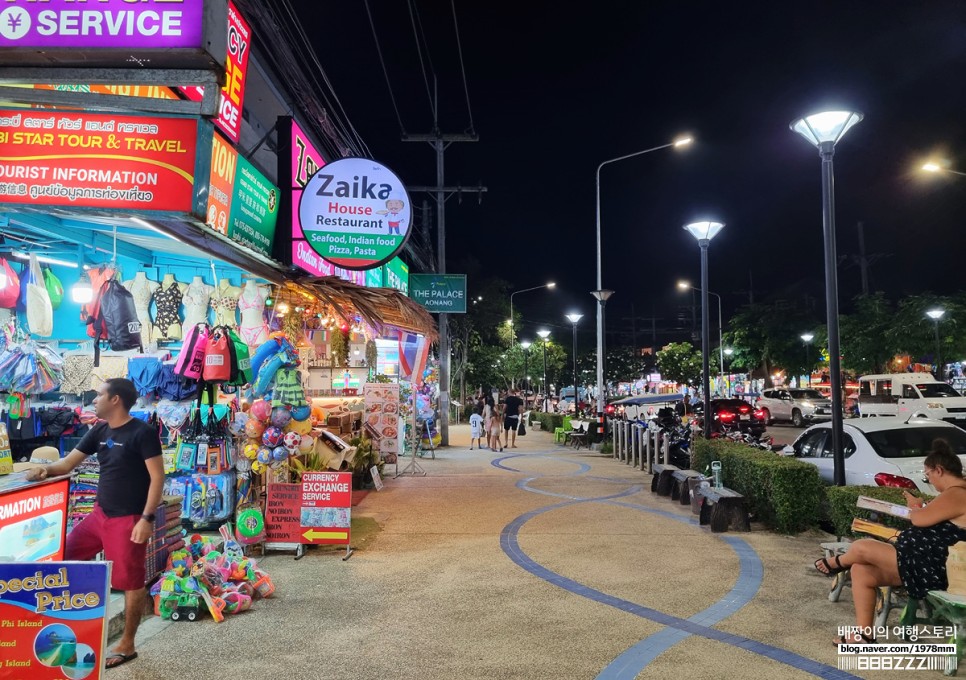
(832, 571)
(865, 638)
(124, 658)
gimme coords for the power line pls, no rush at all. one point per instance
(422, 64)
(385, 73)
(459, 47)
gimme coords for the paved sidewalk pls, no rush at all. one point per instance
(498, 566)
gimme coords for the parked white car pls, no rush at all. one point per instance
(799, 406)
(879, 451)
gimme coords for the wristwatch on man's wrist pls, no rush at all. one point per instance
(149, 518)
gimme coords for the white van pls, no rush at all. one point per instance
(908, 395)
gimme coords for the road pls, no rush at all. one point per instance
(784, 434)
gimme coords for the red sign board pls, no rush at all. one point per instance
(326, 507)
(89, 160)
(283, 513)
(32, 523)
(236, 68)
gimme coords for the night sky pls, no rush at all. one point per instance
(555, 91)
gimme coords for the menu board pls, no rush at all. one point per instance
(382, 416)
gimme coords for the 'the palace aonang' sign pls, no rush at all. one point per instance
(355, 213)
(444, 293)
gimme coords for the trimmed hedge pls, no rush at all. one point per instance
(548, 421)
(841, 508)
(784, 493)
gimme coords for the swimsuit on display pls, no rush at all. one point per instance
(225, 311)
(195, 300)
(167, 300)
(921, 553)
(142, 293)
(244, 304)
(172, 386)
(145, 373)
(111, 367)
(253, 335)
(77, 373)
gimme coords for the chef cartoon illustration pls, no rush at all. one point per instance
(394, 213)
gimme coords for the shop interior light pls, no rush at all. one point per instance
(82, 292)
(282, 308)
(20, 255)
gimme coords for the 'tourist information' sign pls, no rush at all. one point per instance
(355, 213)
(89, 160)
(444, 293)
(52, 620)
(118, 24)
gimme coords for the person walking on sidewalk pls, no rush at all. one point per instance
(129, 490)
(476, 428)
(493, 428)
(511, 419)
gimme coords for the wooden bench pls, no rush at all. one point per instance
(723, 509)
(577, 438)
(680, 491)
(662, 482)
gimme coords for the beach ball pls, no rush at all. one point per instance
(307, 444)
(254, 429)
(301, 412)
(237, 425)
(299, 426)
(258, 468)
(272, 436)
(250, 451)
(281, 416)
(264, 455)
(291, 441)
(262, 410)
(279, 453)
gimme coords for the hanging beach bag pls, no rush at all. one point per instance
(242, 363)
(217, 357)
(11, 289)
(116, 320)
(40, 314)
(55, 289)
(191, 361)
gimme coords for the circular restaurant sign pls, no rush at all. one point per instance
(355, 213)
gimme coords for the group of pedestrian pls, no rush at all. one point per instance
(492, 419)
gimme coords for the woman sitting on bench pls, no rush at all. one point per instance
(918, 558)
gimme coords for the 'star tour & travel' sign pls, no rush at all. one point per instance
(117, 24)
(90, 160)
(445, 293)
(355, 213)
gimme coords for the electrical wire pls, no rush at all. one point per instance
(466, 87)
(385, 73)
(422, 64)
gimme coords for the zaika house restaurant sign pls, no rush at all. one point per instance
(135, 24)
(88, 160)
(355, 213)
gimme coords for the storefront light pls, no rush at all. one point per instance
(82, 292)
(20, 255)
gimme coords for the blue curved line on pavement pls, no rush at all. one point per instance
(633, 660)
(498, 463)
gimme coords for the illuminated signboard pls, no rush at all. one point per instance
(89, 160)
(396, 275)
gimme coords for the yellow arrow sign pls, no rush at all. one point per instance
(314, 535)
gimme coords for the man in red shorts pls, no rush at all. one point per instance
(129, 490)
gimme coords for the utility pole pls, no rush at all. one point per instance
(863, 261)
(439, 141)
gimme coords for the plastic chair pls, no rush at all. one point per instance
(559, 435)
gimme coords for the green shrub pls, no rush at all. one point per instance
(548, 421)
(607, 447)
(841, 510)
(784, 493)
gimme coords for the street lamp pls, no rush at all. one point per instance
(681, 142)
(731, 388)
(525, 344)
(807, 339)
(684, 285)
(936, 315)
(824, 130)
(551, 285)
(936, 167)
(703, 232)
(544, 334)
(573, 318)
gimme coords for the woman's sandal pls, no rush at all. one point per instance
(865, 638)
(832, 571)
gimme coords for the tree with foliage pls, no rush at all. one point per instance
(867, 335)
(680, 362)
(915, 333)
(769, 337)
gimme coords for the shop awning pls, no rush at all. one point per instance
(379, 307)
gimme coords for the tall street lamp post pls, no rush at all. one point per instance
(573, 318)
(544, 334)
(731, 388)
(807, 339)
(684, 285)
(550, 285)
(599, 293)
(936, 315)
(526, 367)
(824, 130)
(703, 232)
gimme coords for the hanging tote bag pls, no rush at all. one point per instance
(11, 289)
(217, 357)
(55, 289)
(242, 367)
(40, 314)
(191, 360)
